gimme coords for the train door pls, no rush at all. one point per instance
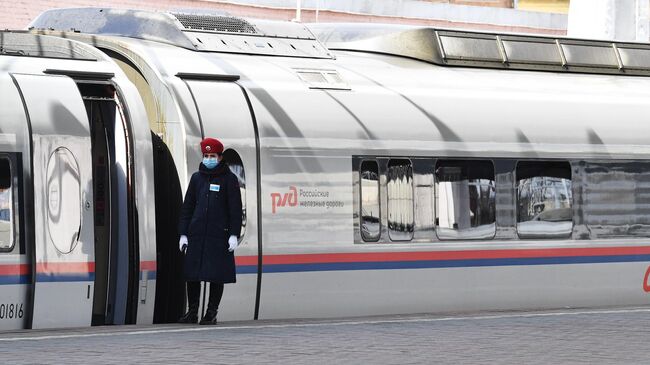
(14, 259)
(224, 113)
(63, 259)
(114, 243)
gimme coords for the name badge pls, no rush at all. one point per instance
(215, 187)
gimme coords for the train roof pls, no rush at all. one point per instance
(23, 44)
(378, 102)
(193, 31)
(446, 47)
(25, 52)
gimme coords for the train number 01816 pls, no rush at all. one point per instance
(11, 311)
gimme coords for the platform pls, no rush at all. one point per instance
(603, 336)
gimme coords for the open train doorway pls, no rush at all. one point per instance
(170, 282)
(114, 251)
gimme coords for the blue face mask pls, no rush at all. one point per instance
(210, 162)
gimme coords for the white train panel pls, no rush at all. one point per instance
(64, 248)
(345, 289)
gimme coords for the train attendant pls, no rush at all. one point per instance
(210, 224)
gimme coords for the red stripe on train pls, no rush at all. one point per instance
(65, 267)
(18, 269)
(148, 265)
(442, 255)
(62, 268)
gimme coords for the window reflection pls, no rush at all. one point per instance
(236, 165)
(544, 198)
(465, 199)
(617, 199)
(400, 199)
(370, 223)
(6, 214)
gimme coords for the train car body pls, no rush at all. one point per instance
(73, 175)
(398, 170)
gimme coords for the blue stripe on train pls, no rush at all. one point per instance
(64, 278)
(151, 275)
(432, 264)
(14, 279)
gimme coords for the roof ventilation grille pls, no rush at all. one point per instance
(215, 23)
(322, 79)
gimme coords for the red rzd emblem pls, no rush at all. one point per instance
(284, 199)
(646, 286)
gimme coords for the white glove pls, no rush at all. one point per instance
(232, 243)
(182, 243)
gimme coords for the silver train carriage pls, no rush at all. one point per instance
(383, 169)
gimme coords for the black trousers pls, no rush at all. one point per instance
(194, 292)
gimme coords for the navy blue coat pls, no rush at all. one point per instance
(211, 213)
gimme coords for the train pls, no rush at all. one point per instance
(384, 169)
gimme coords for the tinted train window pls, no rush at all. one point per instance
(399, 186)
(6, 206)
(370, 223)
(617, 199)
(544, 198)
(465, 199)
(236, 165)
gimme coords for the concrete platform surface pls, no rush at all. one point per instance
(602, 336)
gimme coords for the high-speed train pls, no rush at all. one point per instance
(383, 169)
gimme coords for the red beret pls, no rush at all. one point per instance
(211, 145)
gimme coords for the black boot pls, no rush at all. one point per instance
(190, 317)
(210, 317)
(193, 292)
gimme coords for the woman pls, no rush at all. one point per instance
(210, 224)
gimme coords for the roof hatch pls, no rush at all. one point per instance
(194, 31)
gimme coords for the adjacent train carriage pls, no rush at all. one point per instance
(392, 169)
(75, 223)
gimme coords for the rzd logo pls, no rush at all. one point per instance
(282, 200)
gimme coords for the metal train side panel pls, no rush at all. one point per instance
(306, 195)
(64, 244)
(143, 193)
(14, 259)
(420, 290)
(225, 114)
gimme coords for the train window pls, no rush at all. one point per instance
(616, 198)
(544, 198)
(370, 222)
(6, 206)
(236, 165)
(400, 199)
(64, 200)
(465, 199)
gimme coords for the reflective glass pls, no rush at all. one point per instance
(6, 206)
(399, 186)
(465, 199)
(370, 223)
(616, 199)
(236, 165)
(544, 199)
